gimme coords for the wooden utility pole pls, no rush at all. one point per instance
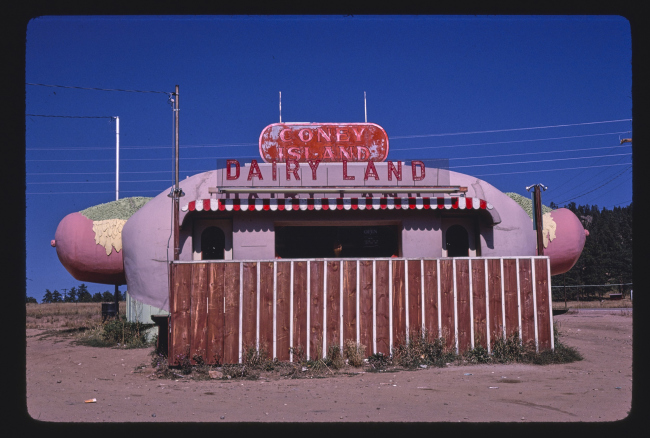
(177, 191)
(537, 216)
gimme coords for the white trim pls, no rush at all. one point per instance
(374, 306)
(487, 305)
(308, 307)
(324, 308)
(275, 310)
(358, 316)
(471, 306)
(341, 303)
(503, 301)
(521, 339)
(390, 306)
(439, 309)
(455, 306)
(257, 323)
(532, 268)
(550, 301)
(241, 307)
(422, 293)
(406, 299)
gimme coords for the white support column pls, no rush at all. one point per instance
(422, 294)
(390, 306)
(519, 301)
(341, 302)
(439, 310)
(241, 307)
(308, 306)
(532, 265)
(503, 301)
(257, 311)
(324, 308)
(374, 306)
(275, 309)
(358, 316)
(487, 306)
(291, 314)
(453, 261)
(406, 298)
(550, 301)
(471, 307)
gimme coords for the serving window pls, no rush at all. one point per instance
(337, 241)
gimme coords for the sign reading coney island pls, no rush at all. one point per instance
(327, 142)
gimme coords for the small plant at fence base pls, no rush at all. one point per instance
(422, 349)
(117, 333)
(354, 353)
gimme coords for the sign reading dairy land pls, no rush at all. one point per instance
(326, 142)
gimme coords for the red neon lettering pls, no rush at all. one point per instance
(323, 134)
(294, 170)
(274, 170)
(370, 171)
(281, 154)
(345, 171)
(314, 165)
(283, 134)
(255, 171)
(342, 134)
(229, 176)
(414, 165)
(392, 170)
(301, 135)
(344, 153)
(294, 152)
(328, 153)
(358, 134)
(362, 153)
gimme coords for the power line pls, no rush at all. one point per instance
(590, 191)
(72, 117)
(551, 170)
(538, 161)
(506, 142)
(536, 153)
(511, 129)
(100, 89)
(221, 145)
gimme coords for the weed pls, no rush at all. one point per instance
(334, 358)
(379, 361)
(478, 354)
(505, 350)
(354, 353)
(421, 349)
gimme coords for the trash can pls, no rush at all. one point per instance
(109, 310)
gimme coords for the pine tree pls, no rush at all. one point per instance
(47, 298)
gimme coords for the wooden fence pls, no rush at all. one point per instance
(219, 309)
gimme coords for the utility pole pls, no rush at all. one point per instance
(537, 216)
(64, 294)
(177, 192)
(117, 196)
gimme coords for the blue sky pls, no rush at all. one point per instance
(512, 100)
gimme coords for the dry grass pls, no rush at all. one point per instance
(594, 304)
(65, 315)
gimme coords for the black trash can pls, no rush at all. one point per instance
(109, 310)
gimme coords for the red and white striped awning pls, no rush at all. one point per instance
(366, 203)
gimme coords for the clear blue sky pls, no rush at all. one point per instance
(435, 84)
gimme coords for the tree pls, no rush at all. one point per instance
(72, 296)
(30, 300)
(108, 297)
(84, 297)
(47, 298)
(56, 296)
(97, 297)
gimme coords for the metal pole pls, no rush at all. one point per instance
(176, 187)
(117, 158)
(538, 218)
(280, 106)
(365, 108)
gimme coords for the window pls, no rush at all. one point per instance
(213, 243)
(336, 241)
(457, 241)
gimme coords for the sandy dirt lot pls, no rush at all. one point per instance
(61, 376)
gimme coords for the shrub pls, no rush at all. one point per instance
(421, 349)
(354, 353)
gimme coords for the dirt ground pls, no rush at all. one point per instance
(60, 376)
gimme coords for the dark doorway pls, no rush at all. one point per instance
(337, 242)
(213, 242)
(457, 241)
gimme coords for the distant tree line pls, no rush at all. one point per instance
(606, 257)
(77, 295)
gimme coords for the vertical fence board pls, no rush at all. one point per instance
(249, 306)
(215, 334)
(316, 309)
(527, 308)
(349, 301)
(494, 292)
(365, 305)
(544, 318)
(283, 314)
(415, 296)
(399, 302)
(383, 303)
(431, 298)
(299, 307)
(199, 313)
(266, 308)
(462, 296)
(333, 303)
(180, 328)
(231, 317)
(478, 297)
(447, 301)
(510, 295)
